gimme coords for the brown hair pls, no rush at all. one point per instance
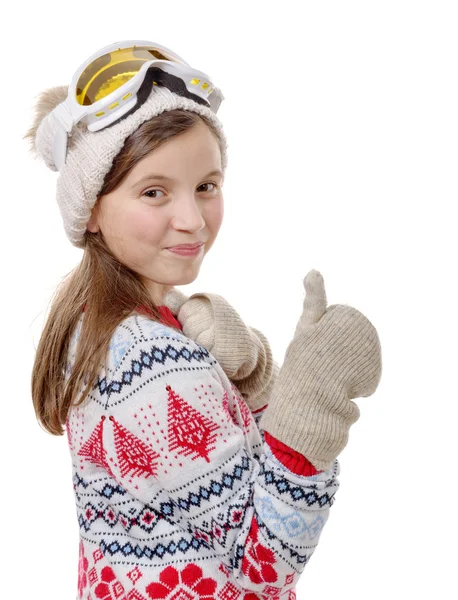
(108, 289)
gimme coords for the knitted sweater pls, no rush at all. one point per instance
(292, 460)
(178, 493)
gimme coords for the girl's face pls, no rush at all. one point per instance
(172, 196)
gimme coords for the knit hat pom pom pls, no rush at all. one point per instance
(40, 134)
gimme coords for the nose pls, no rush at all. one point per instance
(187, 214)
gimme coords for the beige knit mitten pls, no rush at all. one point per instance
(334, 356)
(243, 352)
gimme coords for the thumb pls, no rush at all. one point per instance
(315, 301)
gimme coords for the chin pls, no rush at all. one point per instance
(185, 279)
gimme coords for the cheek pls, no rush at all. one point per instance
(214, 213)
(134, 232)
(148, 230)
(144, 226)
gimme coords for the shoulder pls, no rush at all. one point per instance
(146, 360)
(144, 341)
(143, 351)
(143, 355)
(140, 332)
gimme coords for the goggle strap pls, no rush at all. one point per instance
(64, 116)
(175, 84)
(59, 146)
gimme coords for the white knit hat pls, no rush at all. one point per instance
(90, 155)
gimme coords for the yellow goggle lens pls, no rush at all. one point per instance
(107, 73)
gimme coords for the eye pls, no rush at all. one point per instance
(209, 183)
(148, 192)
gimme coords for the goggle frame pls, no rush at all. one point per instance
(175, 73)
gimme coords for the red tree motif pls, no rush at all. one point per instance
(134, 456)
(93, 450)
(246, 413)
(189, 431)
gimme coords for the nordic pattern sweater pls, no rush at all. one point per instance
(178, 494)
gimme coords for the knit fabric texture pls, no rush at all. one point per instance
(90, 155)
(178, 494)
(334, 357)
(243, 352)
(254, 371)
(262, 366)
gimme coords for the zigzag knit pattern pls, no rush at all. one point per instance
(178, 495)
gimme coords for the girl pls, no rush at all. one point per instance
(200, 469)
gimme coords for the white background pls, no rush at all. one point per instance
(342, 125)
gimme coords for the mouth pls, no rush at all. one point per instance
(186, 246)
(190, 250)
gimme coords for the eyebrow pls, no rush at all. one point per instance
(164, 177)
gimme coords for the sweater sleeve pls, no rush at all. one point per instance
(165, 424)
(288, 457)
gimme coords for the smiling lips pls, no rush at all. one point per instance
(187, 249)
(186, 246)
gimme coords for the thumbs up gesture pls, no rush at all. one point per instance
(334, 357)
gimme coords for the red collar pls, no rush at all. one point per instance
(167, 317)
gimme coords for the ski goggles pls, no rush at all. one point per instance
(115, 81)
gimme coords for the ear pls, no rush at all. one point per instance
(92, 224)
